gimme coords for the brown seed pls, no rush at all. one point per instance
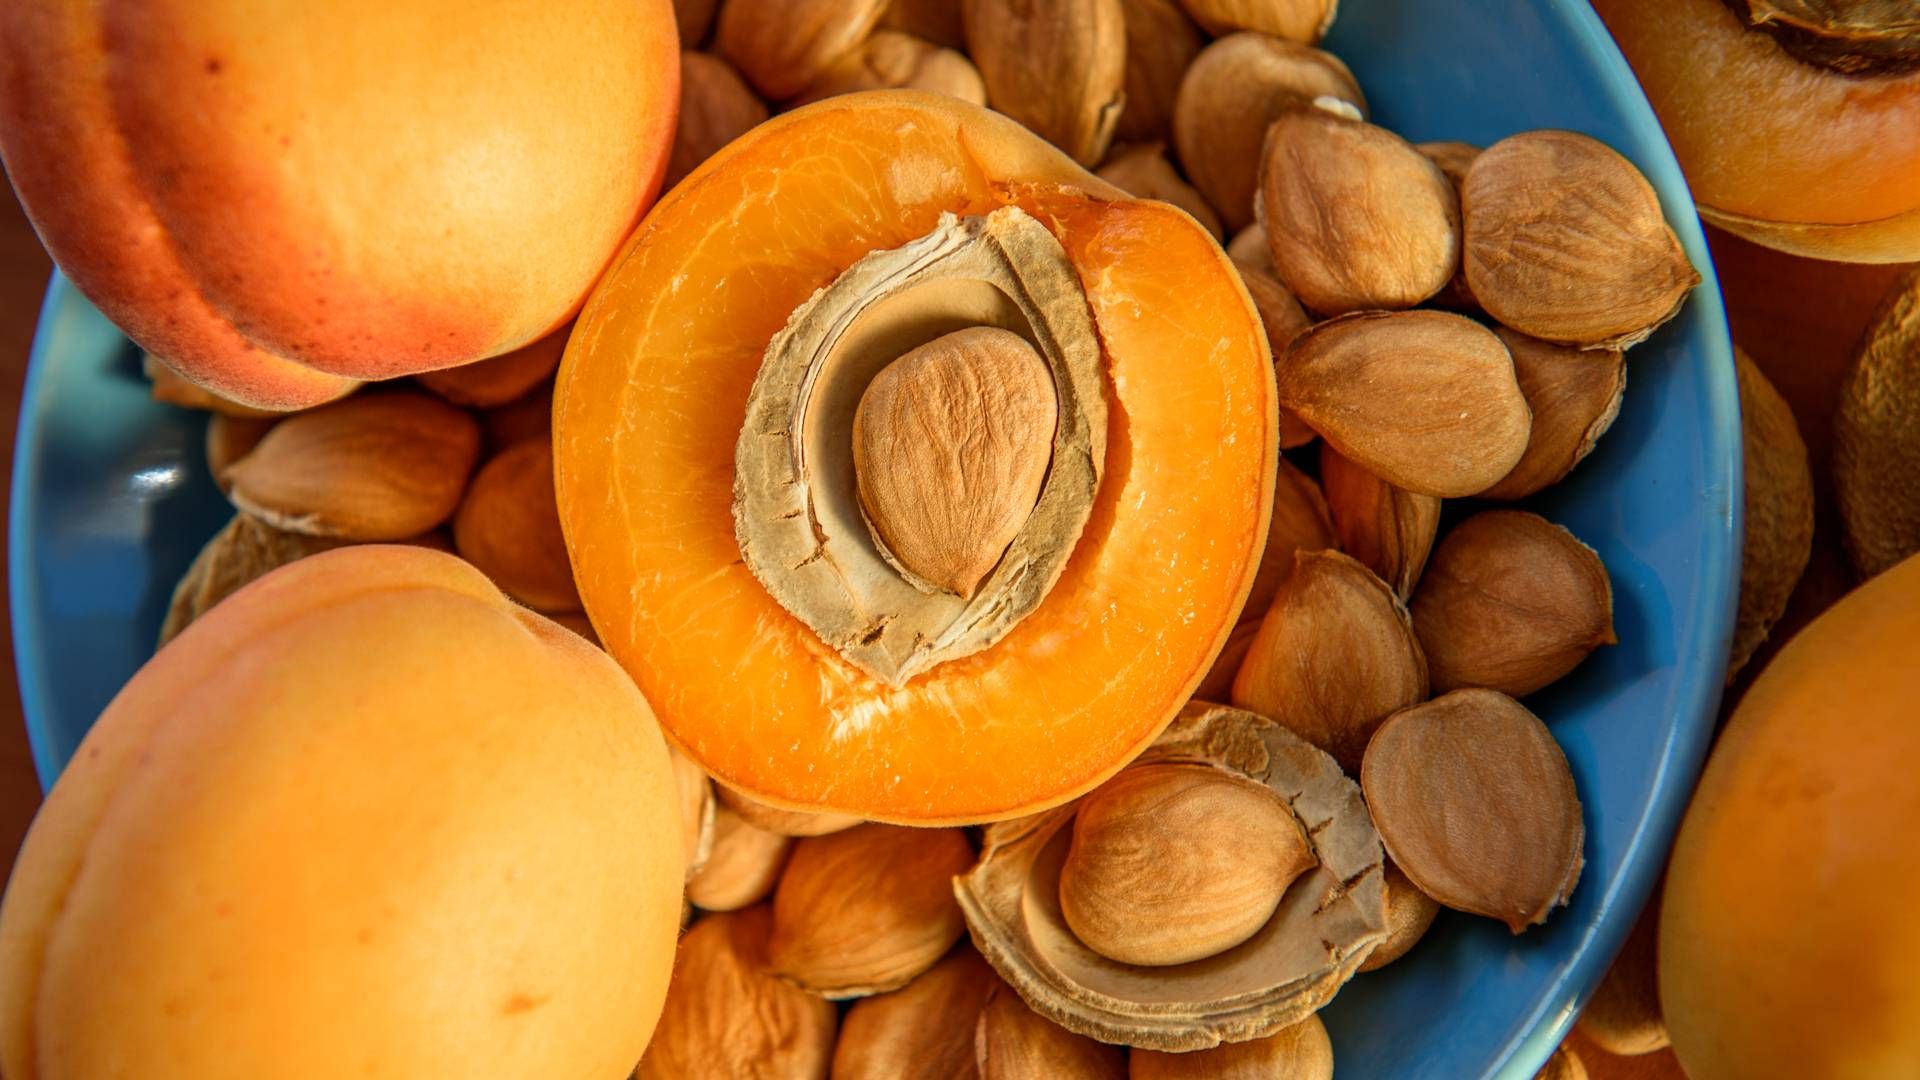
(1217, 684)
(1454, 159)
(1623, 1016)
(742, 866)
(1328, 921)
(868, 909)
(891, 60)
(1334, 657)
(725, 1017)
(1426, 400)
(1012, 1042)
(1574, 395)
(1474, 801)
(1057, 66)
(937, 21)
(1284, 320)
(1510, 601)
(1876, 436)
(950, 446)
(695, 18)
(382, 466)
(1161, 45)
(782, 46)
(1390, 530)
(1171, 863)
(1145, 172)
(1249, 248)
(172, 388)
(487, 383)
(1300, 1052)
(1235, 88)
(1305, 21)
(696, 808)
(1565, 242)
(923, 1029)
(1281, 314)
(716, 107)
(246, 549)
(1357, 218)
(1300, 523)
(509, 527)
(785, 822)
(525, 417)
(1410, 913)
(1778, 510)
(230, 438)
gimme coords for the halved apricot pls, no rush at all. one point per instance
(1778, 147)
(655, 388)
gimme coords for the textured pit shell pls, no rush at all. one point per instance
(1778, 517)
(1565, 241)
(1474, 800)
(1329, 920)
(725, 1016)
(782, 46)
(796, 512)
(1235, 88)
(1389, 529)
(1335, 655)
(1574, 395)
(1305, 21)
(1161, 45)
(1300, 1052)
(1876, 437)
(1511, 601)
(376, 466)
(1057, 66)
(866, 910)
(1357, 218)
(1426, 400)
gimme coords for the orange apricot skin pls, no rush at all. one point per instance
(652, 394)
(1787, 941)
(1785, 153)
(367, 817)
(280, 205)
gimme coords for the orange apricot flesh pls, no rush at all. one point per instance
(651, 397)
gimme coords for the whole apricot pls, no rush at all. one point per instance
(365, 818)
(1787, 941)
(280, 203)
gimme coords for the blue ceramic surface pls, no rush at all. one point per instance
(111, 500)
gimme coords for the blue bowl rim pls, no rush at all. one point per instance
(23, 586)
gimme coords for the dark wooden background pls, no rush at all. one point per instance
(1800, 320)
(23, 278)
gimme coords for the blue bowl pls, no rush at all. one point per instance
(111, 500)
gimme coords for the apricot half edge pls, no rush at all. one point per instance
(655, 387)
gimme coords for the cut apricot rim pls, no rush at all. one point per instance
(652, 404)
(1893, 239)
